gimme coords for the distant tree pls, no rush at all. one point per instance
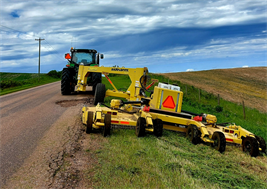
(54, 74)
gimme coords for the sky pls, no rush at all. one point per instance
(163, 35)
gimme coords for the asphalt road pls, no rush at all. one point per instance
(24, 118)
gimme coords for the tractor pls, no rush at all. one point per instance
(86, 57)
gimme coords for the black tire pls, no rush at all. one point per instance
(158, 127)
(140, 127)
(89, 123)
(100, 93)
(107, 121)
(219, 141)
(250, 145)
(262, 143)
(66, 82)
(193, 134)
(97, 78)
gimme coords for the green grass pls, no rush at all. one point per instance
(13, 82)
(171, 161)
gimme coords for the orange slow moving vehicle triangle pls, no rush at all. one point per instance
(168, 103)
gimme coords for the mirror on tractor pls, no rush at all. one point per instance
(101, 56)
(67, 56)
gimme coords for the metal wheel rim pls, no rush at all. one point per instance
(216, 142)
(248, 146)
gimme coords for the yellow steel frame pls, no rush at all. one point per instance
(132, 93)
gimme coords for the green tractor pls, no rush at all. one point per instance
(86, 57)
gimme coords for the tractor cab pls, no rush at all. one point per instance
(87, 57)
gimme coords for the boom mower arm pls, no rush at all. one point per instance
(133, 92)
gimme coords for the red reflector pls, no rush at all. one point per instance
(95, 65)
(146, 108)
(231, 131)
(108, 112)
(114, 121)
(228, 139)
(198, 118)
(168, 103)
(68, 65)
(125, 122)
(114, 113)
(67, 56)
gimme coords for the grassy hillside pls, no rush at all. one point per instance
(12, 82)
(125, 161)
(235, 85)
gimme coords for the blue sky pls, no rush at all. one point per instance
(163, 35)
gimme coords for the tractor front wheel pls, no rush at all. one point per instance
(158, 127)
(250, 145)
(192, 134)
(262, 143)
(89, 122)
(219, 141)
(140, 127)
(100, 93)
(107, 121)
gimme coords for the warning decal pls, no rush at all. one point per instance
(168, 103)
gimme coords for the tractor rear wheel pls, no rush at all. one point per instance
(158, 127)
(250, 145)
(140, 127)
(192, 134)
(262, 143)
(107, 121)
(100, 93)
(89, 122)
(66, 82)
(219, 141)
(97, 78)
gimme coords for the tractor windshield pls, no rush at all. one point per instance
(83, 57)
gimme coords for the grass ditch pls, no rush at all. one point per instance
(171, 161)
(13, 82)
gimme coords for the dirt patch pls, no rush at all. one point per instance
(66, 167)
(74, 102)
(79, 162)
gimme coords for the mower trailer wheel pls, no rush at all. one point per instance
(158, 127)
(192, 134)
(250, 145)
(107, 121)
(100, 93)
(140, 127)
(89, 122)
(262, 143)
(219, 141)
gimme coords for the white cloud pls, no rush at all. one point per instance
(84, 22)
(246, 66)
(189, 70)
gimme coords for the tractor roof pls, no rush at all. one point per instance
(84, 50)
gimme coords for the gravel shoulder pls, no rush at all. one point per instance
(62, 156)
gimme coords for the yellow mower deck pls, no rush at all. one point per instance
(161, 111)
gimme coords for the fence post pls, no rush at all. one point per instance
(218, 99)
(244, 112)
